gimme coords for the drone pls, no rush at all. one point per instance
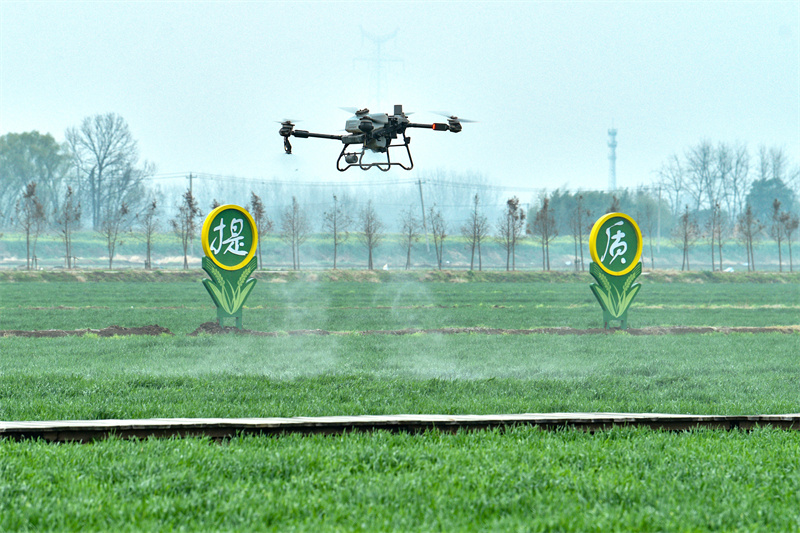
(377, 132)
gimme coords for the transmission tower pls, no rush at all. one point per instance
(378, 61)
(612, 159)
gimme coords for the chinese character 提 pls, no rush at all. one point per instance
(234, 242)
(236, 238)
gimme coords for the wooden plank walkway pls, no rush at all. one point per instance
(220, 428)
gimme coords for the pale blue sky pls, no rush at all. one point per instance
(201, 83)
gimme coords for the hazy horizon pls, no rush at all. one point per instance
(201, 84)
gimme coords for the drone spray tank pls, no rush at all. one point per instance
(365, 122)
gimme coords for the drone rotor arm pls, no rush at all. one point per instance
(439, 126)
(303, 134)
(288, 130)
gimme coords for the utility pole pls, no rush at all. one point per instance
(424, 224)
(658, 210)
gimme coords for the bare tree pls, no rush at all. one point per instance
(31, 218)
(723, 171)
(294, 230)
(749, 228)
(685, 233)
(475, 231)
(371, 231)
(673, 180)
(439, 232)
(66, 218)
(410, 227)
(510, 230)
(106, 159)
(703, 177)
(778, 163)
(262, 221)
(149, 224)
(790, 224)
(613, 207)
(739, 182)
(337, 222)
(722, 227)
(577, 224)
(543, 226)
(712, 227)
(184, 225)
(732, 165)
(114, 222)
(776, 230)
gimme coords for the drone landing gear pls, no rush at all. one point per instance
(356, 159)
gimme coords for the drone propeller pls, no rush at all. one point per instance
(364, 113)
(453, 118)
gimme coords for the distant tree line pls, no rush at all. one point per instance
(711, 194)
(721, 192)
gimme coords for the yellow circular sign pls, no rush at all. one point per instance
(618, 237)
(229, 237)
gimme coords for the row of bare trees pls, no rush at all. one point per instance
(295, 228)
(32, 221)
(781, 227)
(511, 228)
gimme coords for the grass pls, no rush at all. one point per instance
(353, 306)
(521, 479)
(91, 378)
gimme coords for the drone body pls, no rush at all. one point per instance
(372, 131)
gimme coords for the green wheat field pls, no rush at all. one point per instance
(520, 479)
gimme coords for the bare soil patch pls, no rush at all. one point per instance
(110, 331)
(212, 328)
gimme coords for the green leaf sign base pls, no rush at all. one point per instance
(229, 289)
(615, 293)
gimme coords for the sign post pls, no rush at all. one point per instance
(229, 239)
(615, 244)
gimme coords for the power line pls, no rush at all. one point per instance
(264, 181)
(436, 182)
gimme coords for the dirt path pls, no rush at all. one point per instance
(212, 328)
(110, 331)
